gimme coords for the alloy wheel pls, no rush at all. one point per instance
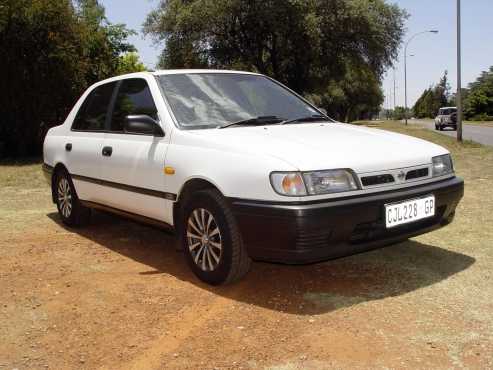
(204, 239)
(64, 197)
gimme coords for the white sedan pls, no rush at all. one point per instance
(243, 168)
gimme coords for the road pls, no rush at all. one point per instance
(482, 135)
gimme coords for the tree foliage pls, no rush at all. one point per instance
(433, 98)
(478, 102)
(104, 42)
(332, 51)
(129, 63)
(477, 98)
(399, 113)
(52, 50)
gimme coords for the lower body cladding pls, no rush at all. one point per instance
(300, 233)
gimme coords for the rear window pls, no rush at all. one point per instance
(92, 113)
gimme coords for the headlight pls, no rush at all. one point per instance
(313, 183)
(442, 165)
(288, 183)
(332, 181)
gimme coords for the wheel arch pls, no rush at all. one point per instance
(58, 167)
(190, 186)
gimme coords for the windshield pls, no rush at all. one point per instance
(207, 100)
(447, 111)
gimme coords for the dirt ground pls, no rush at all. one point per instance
(117, 295)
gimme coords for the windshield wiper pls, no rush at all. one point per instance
(261, 120)
(312, 118)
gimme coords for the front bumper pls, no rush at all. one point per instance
(298, 233)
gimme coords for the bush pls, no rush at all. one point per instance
(481, 117)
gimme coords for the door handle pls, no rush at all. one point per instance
(68, 147)
(107, 150)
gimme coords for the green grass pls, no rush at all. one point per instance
(480, 123)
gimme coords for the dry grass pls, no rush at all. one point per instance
(23, 194)
(26, 174)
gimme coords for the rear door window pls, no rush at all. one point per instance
(93, 112)
(134, 98)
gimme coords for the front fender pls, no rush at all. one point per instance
(237, 175)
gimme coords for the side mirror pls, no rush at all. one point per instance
(142, 125)
(324, 111)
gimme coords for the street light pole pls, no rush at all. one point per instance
(459, 75)
(405, 82)
(405, 67)
(394, 90)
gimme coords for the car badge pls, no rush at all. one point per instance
(401, 175)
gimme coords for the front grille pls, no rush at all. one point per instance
(377, 180)
(416, 174)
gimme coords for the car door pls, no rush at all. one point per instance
(133, 164)
(83, 146)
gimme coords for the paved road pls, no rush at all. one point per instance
(483, 135)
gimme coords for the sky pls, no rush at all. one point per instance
(133, 13)
(433, 54)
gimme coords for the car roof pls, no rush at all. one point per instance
(162, 72)
(448, 108)
(197, 71)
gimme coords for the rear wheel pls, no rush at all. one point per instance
(211, 239)
(71, 211)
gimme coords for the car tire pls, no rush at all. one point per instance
(211, 239)
(71, 211)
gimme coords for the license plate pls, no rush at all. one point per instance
(409, 211)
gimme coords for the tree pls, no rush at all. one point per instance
(129, 63)
(400, 113)
(324, 49)
(433, 98)
(478, 103)
(103, 42)
(52, 51)
(443, 90)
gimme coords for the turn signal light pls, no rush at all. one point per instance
(169, 170)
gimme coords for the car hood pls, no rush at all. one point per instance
(317, 146)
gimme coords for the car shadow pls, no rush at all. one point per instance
(303, 290)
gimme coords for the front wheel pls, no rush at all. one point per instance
(71, 211)
(211, 239)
